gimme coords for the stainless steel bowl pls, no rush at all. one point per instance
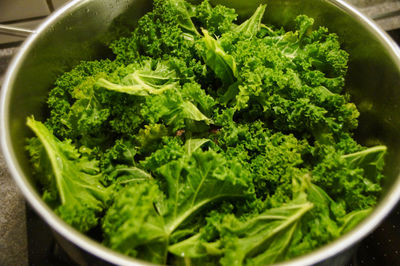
(80, 31)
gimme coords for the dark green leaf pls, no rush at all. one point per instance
(77, 179)
(251, 26)
(200, 180)
(218, 60)
(144, 81)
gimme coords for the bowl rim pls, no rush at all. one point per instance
(95, 248)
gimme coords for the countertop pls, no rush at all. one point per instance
(13, 237)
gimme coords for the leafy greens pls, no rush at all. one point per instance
(206, 141)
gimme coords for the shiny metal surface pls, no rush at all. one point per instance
(82, 29)
(5, 29)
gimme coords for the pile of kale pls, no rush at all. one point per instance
(206, 141)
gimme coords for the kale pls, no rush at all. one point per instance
(206, 141)
(194, 181)
(73, 180)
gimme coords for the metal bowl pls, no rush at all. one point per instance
(80, 31)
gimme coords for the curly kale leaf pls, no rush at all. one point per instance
(270, 157)
(353, 178)
(77, 179)
(143, 81)
(218, 60)
(133, 226)
(283, 78)
(74, 108)
(353, 218)
(194, 181)
(184, 18)
(175, 106)
(264, 238)
(164, 98)
(168, 29)
(371, 160)
(148, 138)
(245, 31)
(258, 239)
(171, 149)
(326, 221)
(217, 20)
(192, 145)
(251, 26)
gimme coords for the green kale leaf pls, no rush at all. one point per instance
(77, 179)
(218, 60)
(198, 180)
(142, 219)
(205, 141)
(143, 81)
(133, 226)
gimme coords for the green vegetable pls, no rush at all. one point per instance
(220, 62)
(143, 81)
(77, 179)
(196, 180)
(144, 236)
(259, 240)
(207, 141)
